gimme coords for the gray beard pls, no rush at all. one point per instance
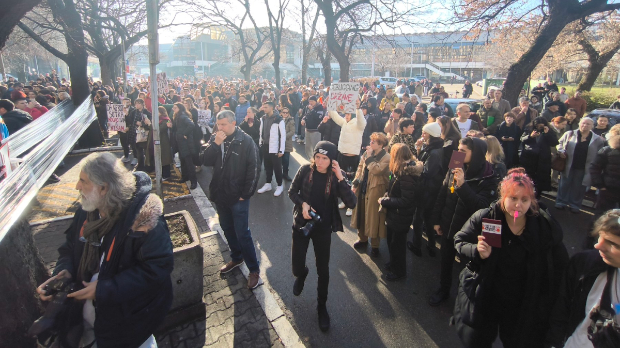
(90, 202)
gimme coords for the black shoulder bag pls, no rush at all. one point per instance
(604, 331)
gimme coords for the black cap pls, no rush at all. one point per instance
(326, 148)
(313, 98)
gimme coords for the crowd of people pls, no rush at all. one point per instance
(392, 165)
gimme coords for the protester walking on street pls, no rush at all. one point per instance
(403, 191)
(464, 191)
(369, 185)
(272, 143)
(315, 191)
(235, 177)
(519, 281)
(579, 148)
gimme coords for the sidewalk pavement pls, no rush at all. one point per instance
(235, 316)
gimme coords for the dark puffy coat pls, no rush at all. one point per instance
(253, 131)
(184, 134)
(535, 157)
(371, 127)
(236, 175)
(450, 144)
(605, 169)
(330, 131)
(546, 261)
(301, 189)
(570, 305)
(16, 120)
(403, 192)
(432, 157)
(479, 190)
(134, 290)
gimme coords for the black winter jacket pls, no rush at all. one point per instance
(570, 306)
(134, 290)
(535, 157)
(301, 189)
(403, 191)
(432, 157)
(236, 174)
(330, 131)
(184, 134)
(253, 131)
(371, 127)
(477, 192)
(605, 169)
(546, 261)
(313, 117)
(16, 120)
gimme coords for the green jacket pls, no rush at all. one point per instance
(491, 119)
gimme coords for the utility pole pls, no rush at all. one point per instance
(152, 18)
(124, 61)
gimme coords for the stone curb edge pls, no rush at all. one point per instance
(263, 294)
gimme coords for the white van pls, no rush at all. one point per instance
(388, 81)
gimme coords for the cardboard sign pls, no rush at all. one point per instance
(457, 160)
(492, 232)
(162, 84)
(343, 97)
(204, 116)
(116, 117)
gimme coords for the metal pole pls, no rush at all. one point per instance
(152, 24)
(36, 63)
(124, 62)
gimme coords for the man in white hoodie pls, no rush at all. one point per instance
(272, 140)
(349, 143)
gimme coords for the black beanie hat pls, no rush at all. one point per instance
(313, 98)
(326, 148)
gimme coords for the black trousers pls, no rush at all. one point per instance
(349, 164)
(273, 163)
(448, 252)
(188, 170)
(124, 143)
(138, 152)
(397, 245)
(423, 217)
(321, 241)
(504, 320)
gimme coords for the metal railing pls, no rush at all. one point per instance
(22, 185)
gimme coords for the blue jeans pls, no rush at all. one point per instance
(234, 222)
(570, 189)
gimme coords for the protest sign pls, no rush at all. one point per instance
(343, 96)
(204, 116)
(116, 117)
(162, 84)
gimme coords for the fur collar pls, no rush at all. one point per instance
(149, 214)
(414, 168)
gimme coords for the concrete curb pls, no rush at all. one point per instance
(96, 149)
(263, 294)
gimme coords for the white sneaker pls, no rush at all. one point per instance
(279, 190)
(125, 159)
(134, 161)
(349, 212)
(265, 188)
(341, 205)
(294, 137)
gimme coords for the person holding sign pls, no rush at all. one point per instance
(519, 272)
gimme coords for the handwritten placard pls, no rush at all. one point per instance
(162, 84)
(343, 97)
(204, 116)
(116, 117)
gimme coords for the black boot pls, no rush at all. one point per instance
(193, 186)
(286, 177)
(298, 287)
(431, 250)
(414, 249)
(323, 317)
(438, 297)
(360, 245)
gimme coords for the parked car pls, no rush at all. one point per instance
(388, 81)
(613, 114)
(479, 83)
(474, 104)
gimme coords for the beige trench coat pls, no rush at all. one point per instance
(378, 179)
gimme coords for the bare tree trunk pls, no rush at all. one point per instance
(12, 12)
(597, 62)
(276, 66)
(21, 271)
(246, 70)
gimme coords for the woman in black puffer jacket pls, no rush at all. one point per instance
(403, 192)
(475, 188)
(183, 128)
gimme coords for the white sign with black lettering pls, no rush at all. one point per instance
(116, 118)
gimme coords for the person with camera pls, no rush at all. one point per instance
(315, 191)
(586, 310)
(118, 255)
(535, 153)
(518, 267)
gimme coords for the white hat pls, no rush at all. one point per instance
(433, 129)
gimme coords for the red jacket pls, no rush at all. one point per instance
(578, 104)
(36, 112)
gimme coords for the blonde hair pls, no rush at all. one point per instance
(380, 138)
(495, 152)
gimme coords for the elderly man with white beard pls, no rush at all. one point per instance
(119, 255)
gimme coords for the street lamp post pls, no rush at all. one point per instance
(152, 16)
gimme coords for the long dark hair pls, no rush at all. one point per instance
(538, 120)
(182, 110)
(448, 132)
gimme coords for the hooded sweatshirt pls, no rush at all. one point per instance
(16, 120)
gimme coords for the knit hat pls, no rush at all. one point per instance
(433, 129)
(313, 98)
(326, 148)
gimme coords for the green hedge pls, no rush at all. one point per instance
(598, 100)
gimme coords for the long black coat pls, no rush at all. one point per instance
(403, 191)
(535, 157)
(184, 134)
(330, 131)
(546, 261)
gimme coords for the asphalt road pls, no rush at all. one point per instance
(365, 310)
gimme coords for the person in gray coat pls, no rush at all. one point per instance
(502, 105)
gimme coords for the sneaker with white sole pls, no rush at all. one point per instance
(349, 212)
(341, 205)
(265, 188)
(279, 190)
